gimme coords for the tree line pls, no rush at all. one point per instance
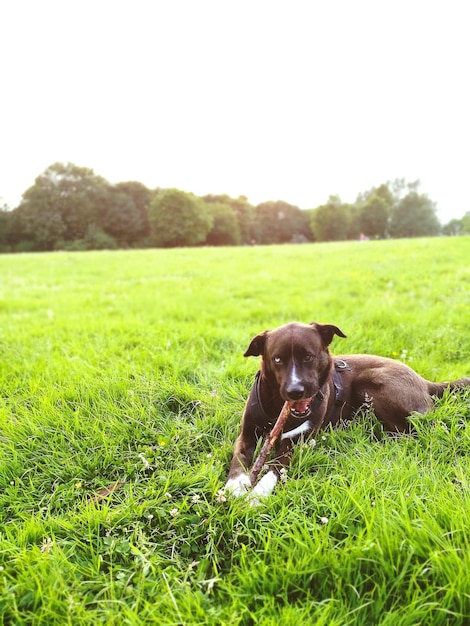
(71, 208)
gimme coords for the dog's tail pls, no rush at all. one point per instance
(438, 389)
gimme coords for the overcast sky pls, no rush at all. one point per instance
(291, 100)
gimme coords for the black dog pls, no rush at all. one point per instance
(297, 366)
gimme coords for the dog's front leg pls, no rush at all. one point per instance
(277, 469)
(238, 480)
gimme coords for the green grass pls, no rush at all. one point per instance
(128, 366)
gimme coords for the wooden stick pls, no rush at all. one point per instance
(107, 491)
(270, 441)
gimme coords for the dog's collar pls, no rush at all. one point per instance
(340, 366)
(260, 416)
(257, 412)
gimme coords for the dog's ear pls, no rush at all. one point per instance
(256, 347)
(327, 332)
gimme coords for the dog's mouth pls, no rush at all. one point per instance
(301, 408)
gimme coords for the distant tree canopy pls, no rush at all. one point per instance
(280, 222)
(126, 213)
(71, 208)
(233, 220)
(178, 218)
(394, 209)
(61, 205)
(225, 230)
(375, 210)
(414, 216)
(331, 221)
(466, 223)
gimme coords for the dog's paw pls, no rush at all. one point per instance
(263, 489)
(238, 486)
(253, 500)
(266, 485)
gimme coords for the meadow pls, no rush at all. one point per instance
(122, 384)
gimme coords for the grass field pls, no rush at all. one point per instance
(125, 370)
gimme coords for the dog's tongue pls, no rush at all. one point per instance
(301, 406)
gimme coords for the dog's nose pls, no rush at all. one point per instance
(295, 392)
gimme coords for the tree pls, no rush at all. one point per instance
(466, 224)
(280, 222)
(39, 221)
(225, 230)
(399, 188)
(331, 221)
(243, 211)
(64, 200)
(396, 209)
(140, 196)
(125, 213)
(453, 228)
(178, 218)
(6, 227)
(375, 208)
(414, 216)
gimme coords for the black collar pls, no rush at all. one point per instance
(340, 366)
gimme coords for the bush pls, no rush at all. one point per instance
(25, 245)
(98, 239)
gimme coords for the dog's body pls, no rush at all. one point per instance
(296, 366)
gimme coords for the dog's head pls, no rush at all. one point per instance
(296, 358)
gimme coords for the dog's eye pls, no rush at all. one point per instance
(277, 360)
(308, 358)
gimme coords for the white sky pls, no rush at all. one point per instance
(277, 100)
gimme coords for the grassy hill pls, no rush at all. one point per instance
(122, 386)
